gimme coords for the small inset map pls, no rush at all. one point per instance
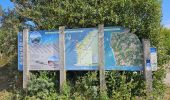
(87, 50)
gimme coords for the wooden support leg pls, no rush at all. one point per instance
(26, 57)
(62, 56)
(147, 67)
(101, 57)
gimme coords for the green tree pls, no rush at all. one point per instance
(166, 33)
(8, 32)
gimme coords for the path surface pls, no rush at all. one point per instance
(167, 82)
(167, 79)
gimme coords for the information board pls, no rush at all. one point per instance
(123, 51)
(153, 59)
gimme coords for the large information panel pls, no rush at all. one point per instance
(123, 51)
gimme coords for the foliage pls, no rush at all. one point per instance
(40, 86)
(88, 84)
(125, 85)
(140, 16)
(159, 75)
(166, 39)
(8, 33)
(119, 87)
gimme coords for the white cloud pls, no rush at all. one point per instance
(167, 26)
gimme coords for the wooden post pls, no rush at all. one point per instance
(62, 56)
(147, 67)
(1, 55)
(26, 57)
(101, 60)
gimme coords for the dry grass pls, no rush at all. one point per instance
(167, 93)
(3, 61)
(4, 95)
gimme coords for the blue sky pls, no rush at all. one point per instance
(6, 4)
(165, 10)
(166, 13)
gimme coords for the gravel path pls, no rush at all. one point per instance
(167, 79)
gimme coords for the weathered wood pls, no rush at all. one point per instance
(147, 66)
(62, 56)
(1, 55)
(101, 59)
(26, 57)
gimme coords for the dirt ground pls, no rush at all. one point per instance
(167, 82)
(167, 79)
(167, 93)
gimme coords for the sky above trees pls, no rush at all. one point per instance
(166, 13)
(165, 10)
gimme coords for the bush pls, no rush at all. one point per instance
(40, 86)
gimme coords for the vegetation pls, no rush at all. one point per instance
(166, 33)
(140, 16)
